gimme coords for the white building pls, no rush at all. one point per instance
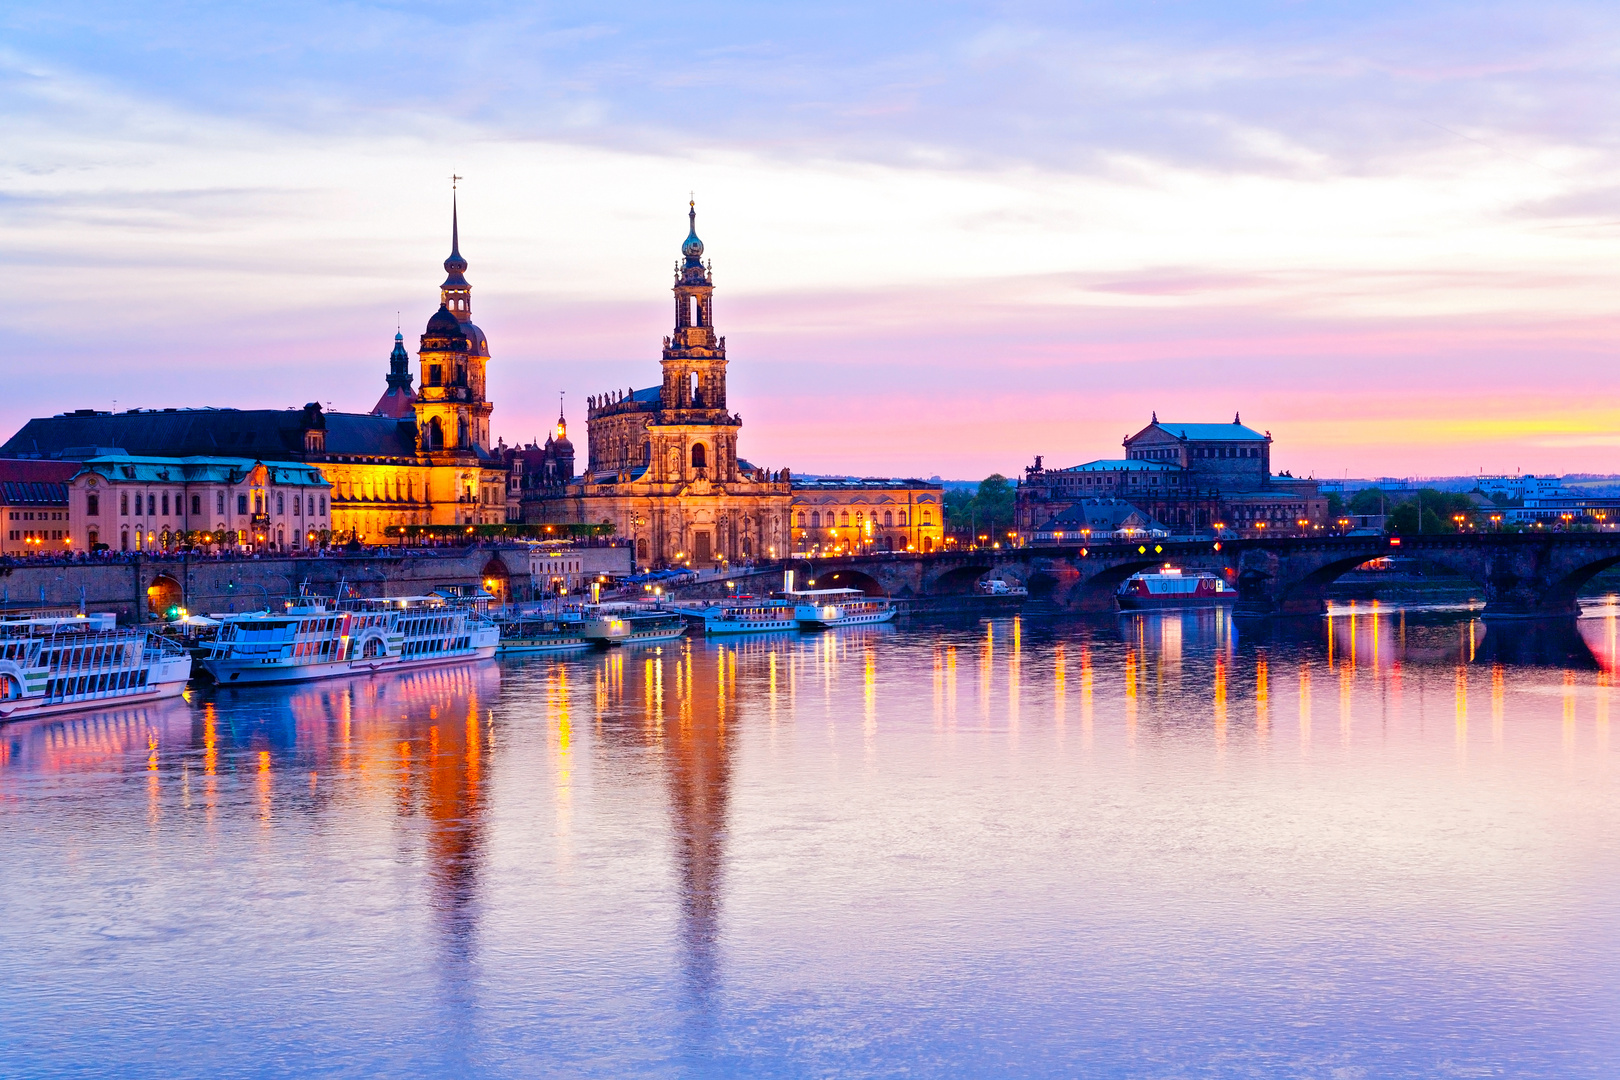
(131, 503)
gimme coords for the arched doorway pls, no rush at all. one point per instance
(163, 595)
(497, 580)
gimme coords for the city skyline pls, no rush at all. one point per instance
(1384, 236)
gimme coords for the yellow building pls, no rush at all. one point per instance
(413, 460)
(845, 515)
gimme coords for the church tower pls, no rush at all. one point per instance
(452, 409)
(398, 399)
(694, 358)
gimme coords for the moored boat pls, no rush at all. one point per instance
(1170, 587)
(541, 633)
(744, 615)
(629, 625)
(61, 665)
(815, 609)
(315, 639)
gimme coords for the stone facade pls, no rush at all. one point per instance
(845, 515)
(1195, 478)
(147, 503)
(662, 465)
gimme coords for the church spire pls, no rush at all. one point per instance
(456, 293)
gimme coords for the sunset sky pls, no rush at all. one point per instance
(946, 237)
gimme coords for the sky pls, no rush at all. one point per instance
(946, 237)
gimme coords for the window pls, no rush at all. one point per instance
(902, 518)
(323, 505)
(815, 519)
(281, 503)
(219, 502)
(92, 505)
(888, 518)
(700, 456)
(241, 503)
(801, 519)
(927, 520)
(165, 504)
(435, 374)
(123, 541)
(843, 519)
(123, 503)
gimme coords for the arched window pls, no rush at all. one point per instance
(815, 519)
(700, 456)
(646, 453)
(888, 519)
(801, 519)
(435, 434)
(123, 506)
(641, 549)
(844, 519)
(461, 432)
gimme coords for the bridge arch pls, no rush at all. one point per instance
(848, 578)
(1562, 593)
(958, 581)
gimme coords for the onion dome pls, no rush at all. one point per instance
(693, 247)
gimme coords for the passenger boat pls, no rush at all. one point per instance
(814, 609)
(744, 615)
(541, 633)
(1170, 587)
(317, 639)
(631, 626)
(58, 665)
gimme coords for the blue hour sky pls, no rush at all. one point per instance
(946, 237)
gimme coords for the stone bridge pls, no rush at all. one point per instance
(1517, 573)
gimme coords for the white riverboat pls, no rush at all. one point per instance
(815, 609)
(744, 615)
(59, 665)
(317, 639)
(631, 625)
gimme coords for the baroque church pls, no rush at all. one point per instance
(420, 457)
(662, 464)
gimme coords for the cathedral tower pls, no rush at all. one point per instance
(694, 358)
(398, 398)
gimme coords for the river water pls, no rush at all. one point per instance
(1381, 844)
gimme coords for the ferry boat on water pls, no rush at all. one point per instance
(1170, 588)
(314, 639)
(58, 665)
(815, 609)
(541, 633)
(631, 625)
(745, 615)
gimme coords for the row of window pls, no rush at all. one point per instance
(889, 520)
(1197, 452)
(42, 515)
(301, 504)
(36, 534)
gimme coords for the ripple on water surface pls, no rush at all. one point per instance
(1380, 844)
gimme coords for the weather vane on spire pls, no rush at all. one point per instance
(453, 179)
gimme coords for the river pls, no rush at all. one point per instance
(1381, 844)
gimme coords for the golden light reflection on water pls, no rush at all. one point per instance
(1262, 696)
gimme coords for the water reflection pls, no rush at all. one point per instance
(1016, 846)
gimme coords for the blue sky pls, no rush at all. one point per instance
(946, 236)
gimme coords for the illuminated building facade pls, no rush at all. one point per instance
(419, 458)
(846, 514)
(1195, 478)
(144, 503)
(34, 511)
(662, 465)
